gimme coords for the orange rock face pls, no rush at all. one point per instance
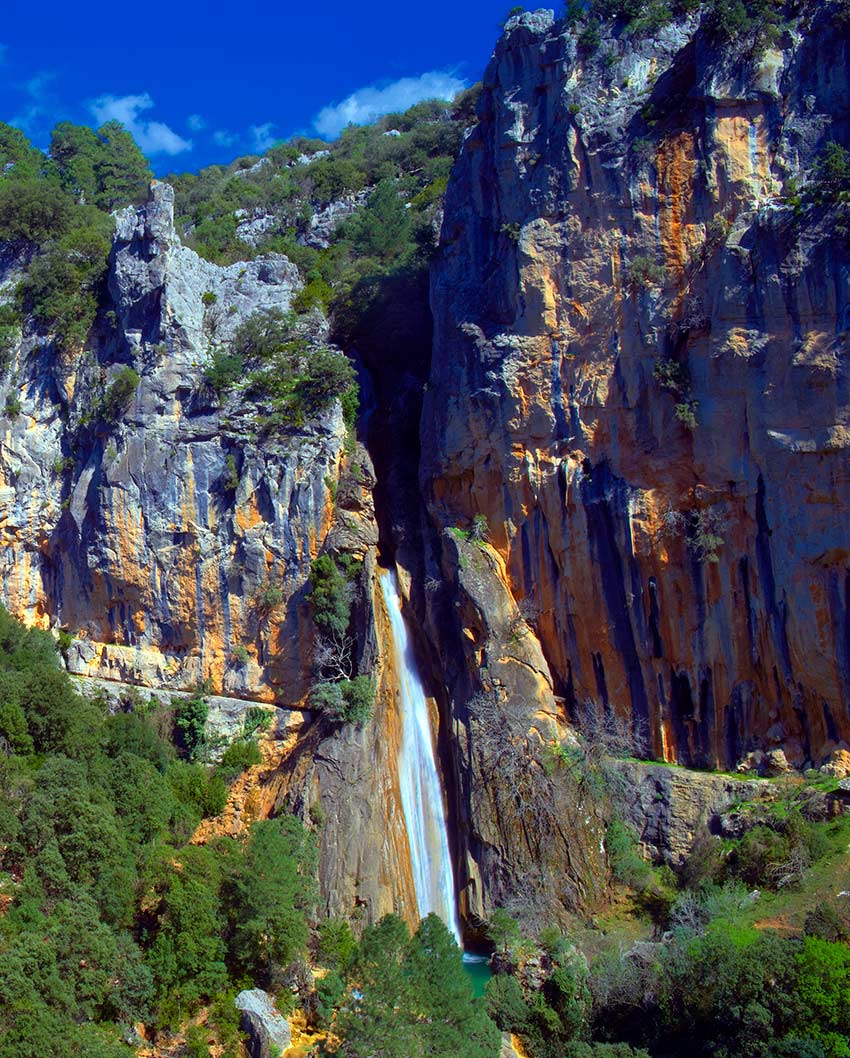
(640, 379)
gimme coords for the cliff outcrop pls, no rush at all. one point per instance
(153, 536)
(640, 376)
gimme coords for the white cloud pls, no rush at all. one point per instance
(223, 138)
(40, 105)
(263, 137)
(153, 137)
(195, 122)
(367, 104)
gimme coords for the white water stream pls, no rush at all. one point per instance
(421, 792)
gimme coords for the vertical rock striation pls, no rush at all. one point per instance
(153, 539)
(640, 377)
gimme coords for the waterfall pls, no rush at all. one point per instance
(419, 781)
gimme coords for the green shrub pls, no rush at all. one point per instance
(316, 294)
(827, 923)
(352, 701)
(256, 719)
(119, 393)
(190, 717)
(686, 414)
(831, 175)
(66, 283)
(230, 483)
(671, 375)
(506, 1004)
(33, 211)
(590, 38)
(238, 757)
(10, 333)
(223, 370)
(644, 272)
(330, 595)
(627, 866)
(337, 945)
(655, 15)
(197, 788)
(267, 599)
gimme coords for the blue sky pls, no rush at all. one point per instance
(202, 83)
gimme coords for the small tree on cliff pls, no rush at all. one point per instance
(330, 595)
(503, 929)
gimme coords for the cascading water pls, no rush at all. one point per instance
(421, 792)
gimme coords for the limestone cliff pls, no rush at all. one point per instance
(640, 377)
(152, 539)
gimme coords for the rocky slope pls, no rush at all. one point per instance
(640, 378)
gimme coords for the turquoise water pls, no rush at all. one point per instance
(479, 974)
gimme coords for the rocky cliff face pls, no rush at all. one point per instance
(640, 378)
(152, 539)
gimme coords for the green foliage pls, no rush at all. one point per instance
(65, 284)
(506, 1003)
(627, 866)
(201, 792)
(230, 483)
(757, 24)
(62, 208)
(273, 892)
(10, 333)
(298, 379)
(330, 595)
(268, 598)
(686, 414)
(827, 923)
(350, 700)
(644, 272)
(315, 294)
(502, 929)
(33, 211)
(831, 175)
(240, 756)
(589, 39)
(190, 717)
(654, 16)
(410, 997)
(223, 370)
(109, 917)
(774, 854)
(18, 158)
(187, 957)
(256, 719)
(479, 530)
(337, 945)
(119, 393)
(671, 375)
(104, 168)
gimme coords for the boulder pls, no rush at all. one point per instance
(268, 1030)
(776, 763)
(838, 764)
